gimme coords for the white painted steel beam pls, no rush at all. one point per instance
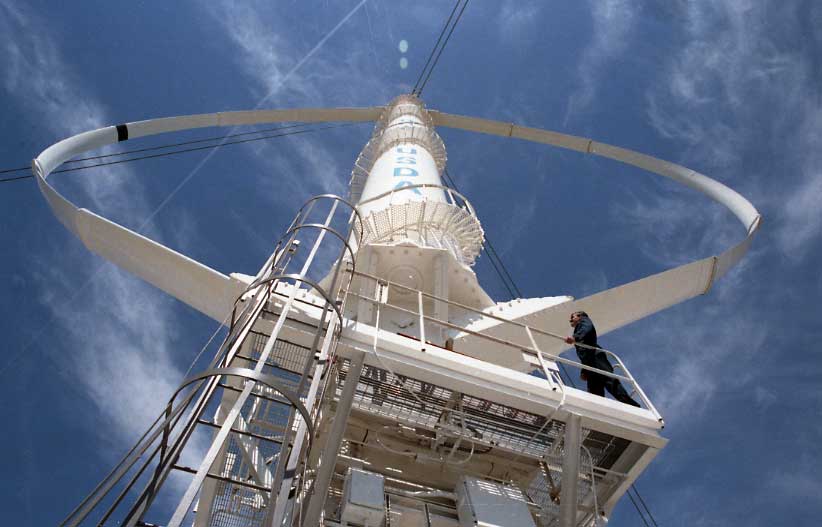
(331, 448)
(209, 291)
(570, 472)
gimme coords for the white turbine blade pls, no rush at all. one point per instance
(612, 308)
(647, 296)
(627, 303)
(206, 290)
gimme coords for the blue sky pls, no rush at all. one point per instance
(728, 88)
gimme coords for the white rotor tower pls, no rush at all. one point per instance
(388, 389)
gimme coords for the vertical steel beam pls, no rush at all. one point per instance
(331, 448)
(570, 472)
(441, 291)
(281, 490)
(368, 259)
(421, 321)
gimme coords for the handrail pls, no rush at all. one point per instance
(504, 342)
(484, 314)
(447, 409)
(533, 351)
(545, 370)
(447, 190)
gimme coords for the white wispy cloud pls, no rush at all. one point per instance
(288, 70)
(801, 223)
(263, 53)
(687, 355)
(613, 21)
(36, 75)
(712, 359)
(121, 342)
(117, 345)
(678, 225)
(802, 482)
(515, 19)
(285, 71)
(710, 97)
(694, 349)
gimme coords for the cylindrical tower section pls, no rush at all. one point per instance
(396, 184)
(403, 163)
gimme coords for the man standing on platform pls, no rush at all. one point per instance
(586, 333)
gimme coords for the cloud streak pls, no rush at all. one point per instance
(720, 362)
(268, 58)
(37, 77)
(613, 22)
(119, 345)
(738, 59)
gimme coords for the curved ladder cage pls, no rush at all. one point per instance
(248, 375)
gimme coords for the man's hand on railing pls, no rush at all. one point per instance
(569, 340)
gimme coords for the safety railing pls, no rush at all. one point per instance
(382, 288)
(440, 216)
(452, 196)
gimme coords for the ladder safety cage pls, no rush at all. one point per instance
(265, 392)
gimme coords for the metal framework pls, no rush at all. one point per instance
(265, 391)
(386, 135)
(531, 348)
(451, 224)
(303, 389)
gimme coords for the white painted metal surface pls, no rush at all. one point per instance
(446, 403)
(404, 165)
(397, 182)
(483, 503)
(613, 308)
(363, 498)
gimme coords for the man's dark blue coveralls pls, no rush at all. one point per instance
(586, 333)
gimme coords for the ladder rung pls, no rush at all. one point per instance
(224, 478)
(277, 440)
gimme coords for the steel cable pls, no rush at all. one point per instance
(436, 45)
(418, 87)
(642, 516)
(644, 505)
(148, 149)
(181, 151)
(513, 290)
(439, 54)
